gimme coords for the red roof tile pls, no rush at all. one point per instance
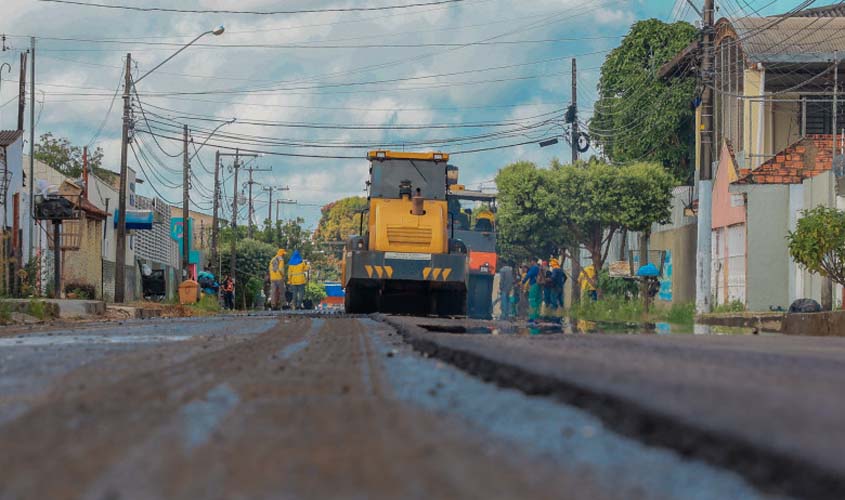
(805, 159)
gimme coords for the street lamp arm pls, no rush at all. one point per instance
(157, 66)
(208, 137)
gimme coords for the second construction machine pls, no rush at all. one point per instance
(405, 259)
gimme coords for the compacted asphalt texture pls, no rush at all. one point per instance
(307, 407)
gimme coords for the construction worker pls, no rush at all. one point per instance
(277, 279)
(588, 281)
(297, 278)
(558, 279)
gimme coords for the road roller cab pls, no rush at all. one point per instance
(404, 260)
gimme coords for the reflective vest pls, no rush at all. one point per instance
(297, 274)
(277, 268)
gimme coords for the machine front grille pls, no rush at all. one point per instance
(405, 235)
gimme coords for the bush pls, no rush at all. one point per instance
(315, 292)
(5, 313)
(609, 308)
(252, 259)
(818, 242)
(208, 303)
(617, 287)
(683, 314)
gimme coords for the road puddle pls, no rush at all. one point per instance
(573, 327)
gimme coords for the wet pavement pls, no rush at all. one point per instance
(312, 407)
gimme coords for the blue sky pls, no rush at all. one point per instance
(522, 74)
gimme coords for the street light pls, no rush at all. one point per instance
(120, 256)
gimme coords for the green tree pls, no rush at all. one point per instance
(594, 200)
(60, 154)
(638, 115)
(818, 242)
(526, 228)
(340, 219)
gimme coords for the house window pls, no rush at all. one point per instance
(820, 115)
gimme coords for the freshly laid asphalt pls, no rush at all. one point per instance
(770, 407)
(281, 406)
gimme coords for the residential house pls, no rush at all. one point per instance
(11, 196)
(773, 149)
(81, 240)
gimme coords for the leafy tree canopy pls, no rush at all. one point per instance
(542, 210)
(340, 219)
(818, 242)
(60, 154)
(526, 230)
(639, 116)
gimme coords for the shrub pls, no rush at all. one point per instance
(315, 292)
(818, 242)
(730, 307)
(37, 308)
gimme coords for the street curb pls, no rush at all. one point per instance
(771, 471)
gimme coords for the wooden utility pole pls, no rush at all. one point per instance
(186, 199)
(215, 218)
(705, 152)
(120, 256)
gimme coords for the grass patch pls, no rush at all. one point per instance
(37, 309)
(208, 304)
(5, 313)
(609, 308)
(731, 307)
(681, 314)
(621, 310)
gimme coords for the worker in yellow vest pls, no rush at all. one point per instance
(277, 279)
(297, 279)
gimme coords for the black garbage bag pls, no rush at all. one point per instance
(805, 306)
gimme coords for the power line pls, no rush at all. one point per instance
(253, 12)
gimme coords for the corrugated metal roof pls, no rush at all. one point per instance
(8, 137)
(835, 10)
(791, 40)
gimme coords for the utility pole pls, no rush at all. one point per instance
(234, 223)
(251, 210)
(574, 129)
(283, 202)
(827, 284)
(215, 218)
(270, 189)
(575, 250)
(22, 91)
(705, 183)
(31, 152)
(120, 255)
(186, 199)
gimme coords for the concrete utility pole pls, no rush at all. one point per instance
(186, 200)
(283, 202)
(120, 255)
(22, 91)
(575, 250)
(705, 183)
(31, 178)
(251, 211)
(827, 283)
(270, 190)
(215, 217)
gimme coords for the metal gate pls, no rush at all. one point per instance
(729, 263)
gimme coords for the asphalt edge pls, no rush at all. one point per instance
(770, 471)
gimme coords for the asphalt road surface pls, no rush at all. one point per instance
(303, 408)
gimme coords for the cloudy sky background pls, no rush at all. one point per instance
(519, 76)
